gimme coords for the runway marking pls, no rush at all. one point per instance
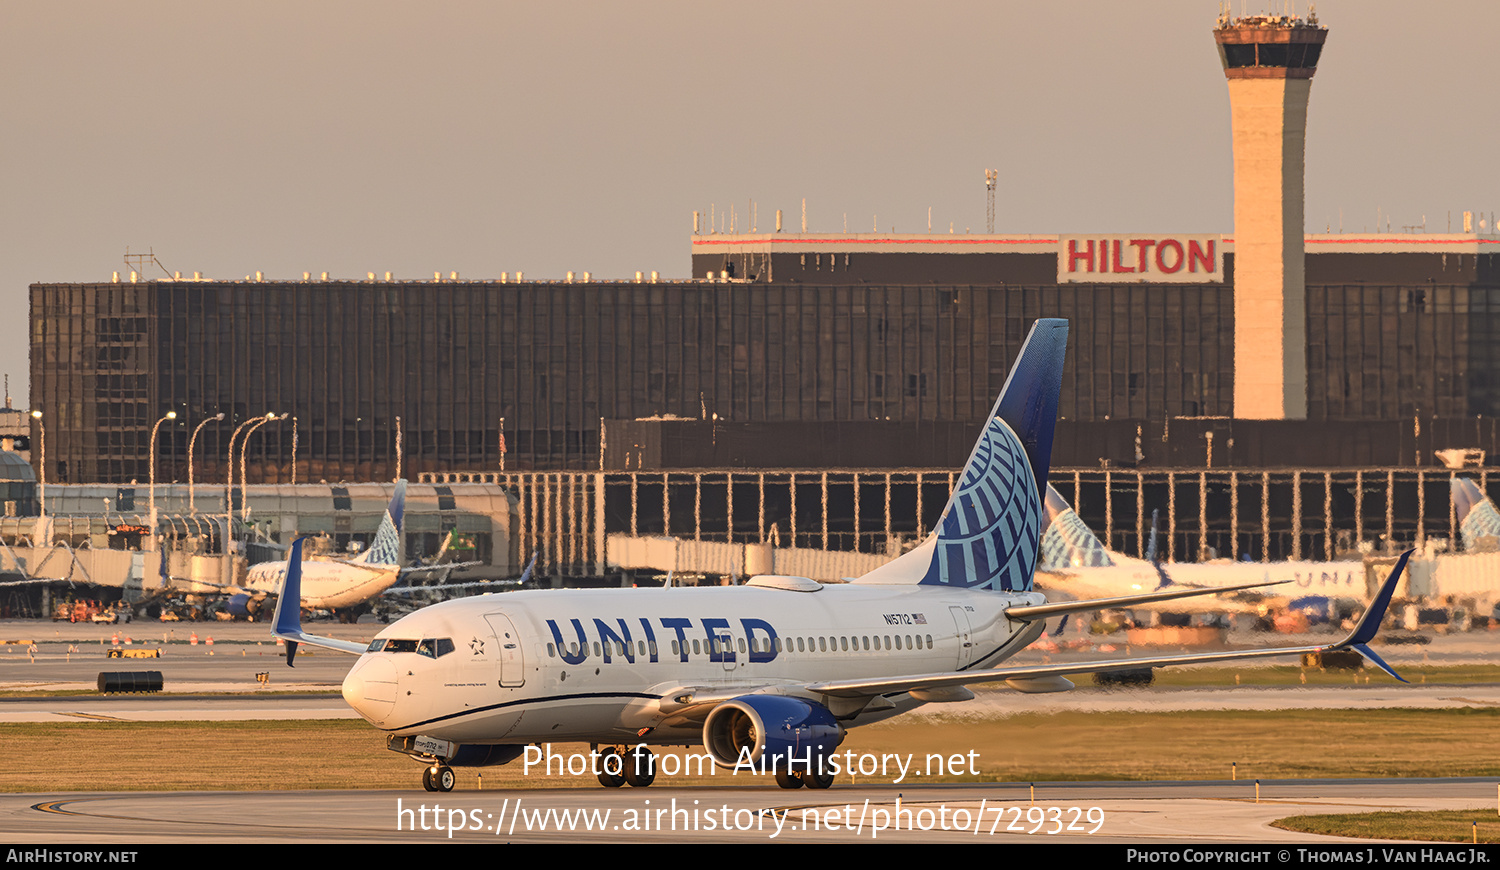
(1312, 802)
(57, 807)
(94, 716)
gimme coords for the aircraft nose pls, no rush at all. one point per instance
(370, 688)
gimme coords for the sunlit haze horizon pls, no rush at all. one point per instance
(485, 138)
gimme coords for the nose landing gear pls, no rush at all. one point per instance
(439, 777)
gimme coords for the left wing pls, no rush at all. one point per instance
(695, 702)
(1045, 675)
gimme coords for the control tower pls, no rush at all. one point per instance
(1269, 61)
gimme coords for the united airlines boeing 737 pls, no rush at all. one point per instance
(1074, 561)
(772, 673)
(344, 586)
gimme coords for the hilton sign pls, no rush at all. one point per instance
(1118, 259)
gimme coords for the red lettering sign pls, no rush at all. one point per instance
(1109, 259)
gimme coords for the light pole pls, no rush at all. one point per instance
(294, 451)
(244, 448)
(398, 448)
(151, 486)
(192, 508)
(229, 480)
(42, 464)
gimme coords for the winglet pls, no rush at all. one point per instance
(288, 621)
(1369, 624)
(526, 575)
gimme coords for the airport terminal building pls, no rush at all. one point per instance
(808, 352)
(804, 350)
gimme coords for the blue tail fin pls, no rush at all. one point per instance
(989, 530)
(386, 549)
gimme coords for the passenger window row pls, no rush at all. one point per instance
(821, 644)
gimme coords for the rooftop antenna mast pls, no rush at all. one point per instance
(990, 177)
(137, 263)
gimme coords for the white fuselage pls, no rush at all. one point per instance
(605, 665)
(326, 585)
(1135, 576)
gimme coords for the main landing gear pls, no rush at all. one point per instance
(439, 777)
(812, 778)
(619, 765)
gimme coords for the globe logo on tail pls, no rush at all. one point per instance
(989, 531)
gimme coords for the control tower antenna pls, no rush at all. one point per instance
(990, 177)
(1269, 61)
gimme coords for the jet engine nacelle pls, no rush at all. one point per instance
(775, 728)
(241, 604)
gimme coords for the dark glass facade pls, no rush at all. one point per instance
(815, 347)
(453, 360)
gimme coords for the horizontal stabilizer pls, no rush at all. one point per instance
(1033, 612)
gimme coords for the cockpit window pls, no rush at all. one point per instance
(431, 647)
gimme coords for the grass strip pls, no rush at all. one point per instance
(1069, 746)
(1442, 826)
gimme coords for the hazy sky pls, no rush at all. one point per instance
(351, 137)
